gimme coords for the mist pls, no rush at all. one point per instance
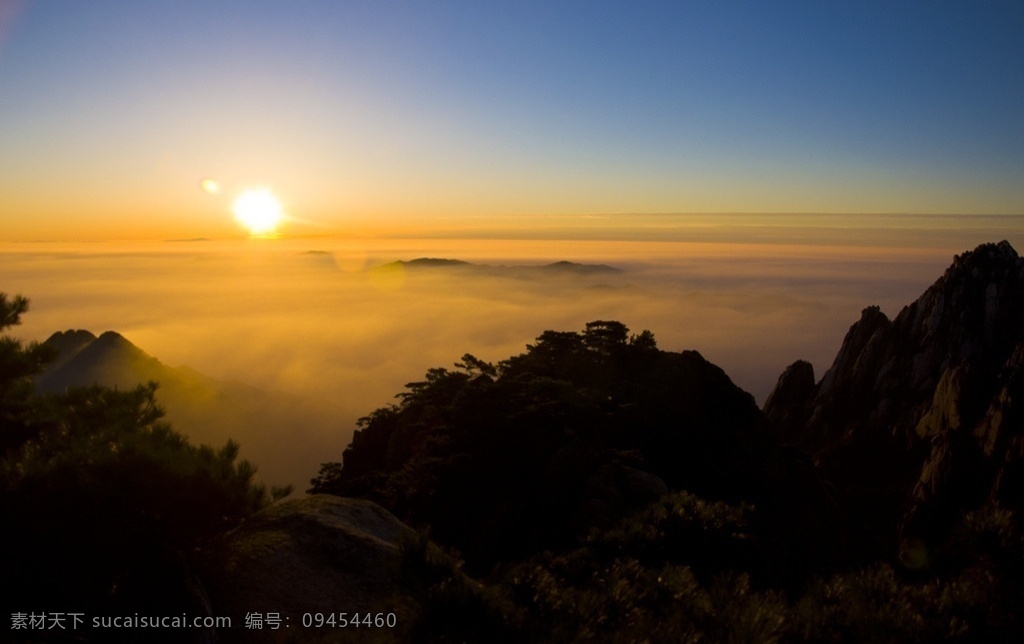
(333, 329)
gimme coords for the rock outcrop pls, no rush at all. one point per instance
(918, 421)
(789, 404)
(318, 554)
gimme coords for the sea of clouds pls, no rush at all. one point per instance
(318, 319)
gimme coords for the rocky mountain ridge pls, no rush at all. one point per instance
(919, 419)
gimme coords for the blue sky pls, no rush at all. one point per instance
(390, 111)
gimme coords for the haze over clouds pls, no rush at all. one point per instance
(314, 319)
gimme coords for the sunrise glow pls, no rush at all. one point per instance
(259, 212)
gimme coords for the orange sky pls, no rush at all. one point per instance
(405, 119)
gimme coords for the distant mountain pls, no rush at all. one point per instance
(920, 419)
(572, 267)
(111, 360)
(204, 409)
(320, 259)
(516, 271)
(431, 262)
(67, 345)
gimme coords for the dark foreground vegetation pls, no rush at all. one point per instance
(103, 505)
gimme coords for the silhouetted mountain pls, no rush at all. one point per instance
(66, 344)
(918, 421)
(533, 453)
(109, 360)
(789, 403)
(516, 271)
(204, 409)
(319, 259)
(430, 262)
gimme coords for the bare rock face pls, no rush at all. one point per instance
(917, 419)
(318, 554)
(858, 355)
(788, 405)
(885, 374)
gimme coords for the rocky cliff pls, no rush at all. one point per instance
(918, 419)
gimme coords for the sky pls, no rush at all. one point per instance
(396, 118)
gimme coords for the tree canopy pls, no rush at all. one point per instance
(501, 460)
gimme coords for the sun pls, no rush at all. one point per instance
(259, 212)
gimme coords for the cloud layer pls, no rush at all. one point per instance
(312, 319)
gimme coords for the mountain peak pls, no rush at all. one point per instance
(434, 262)
(70, 340)
(72, 334)
(976, 308)
(66, 345)
(573, 267)
(113, 339)
(1002, 251)
(84, 359)
(987, 261)
(974, 313)
(932, 392)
